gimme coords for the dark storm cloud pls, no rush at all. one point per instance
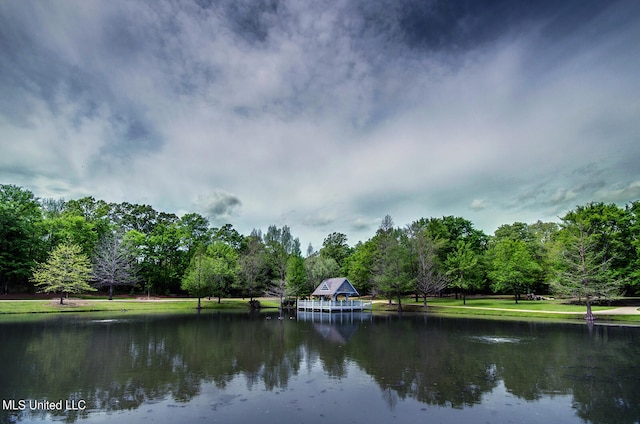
(320, 221)
(219, 205)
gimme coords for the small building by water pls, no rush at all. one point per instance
(329, 292)
(331, 288)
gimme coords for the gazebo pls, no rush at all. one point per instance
(331, 288)
(328, 292)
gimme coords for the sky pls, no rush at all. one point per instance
(327, 115)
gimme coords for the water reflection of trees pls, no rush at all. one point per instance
(432, 367)
(606, 378)
(123, 364)
(455, 362)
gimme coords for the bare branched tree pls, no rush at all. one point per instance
(115, 264)
(278, 288)
(429, 280)
(584, 268)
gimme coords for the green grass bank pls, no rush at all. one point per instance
(506, 307)
(477, 306)
(88, 304)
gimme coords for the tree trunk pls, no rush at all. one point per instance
(424, 303)
(111, 292)
(61, 297)
(589, 316)
(199, 305)
(399, 304)
(219, 299)
(464, 297)
(515, 294)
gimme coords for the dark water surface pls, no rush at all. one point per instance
(236, 368)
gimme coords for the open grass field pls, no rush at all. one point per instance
(502, 306)
(88, 304)
(475, 306)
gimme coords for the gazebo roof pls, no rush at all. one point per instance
(335, 286)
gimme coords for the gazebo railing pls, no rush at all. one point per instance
(334, 305)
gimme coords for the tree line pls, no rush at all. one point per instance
(593, 252)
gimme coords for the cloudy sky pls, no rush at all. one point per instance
(324, 115)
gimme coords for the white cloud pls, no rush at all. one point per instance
(478, 204)
(628, 193)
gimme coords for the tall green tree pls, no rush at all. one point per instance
(297, 277)
(279, 246)
(199, 278)
(392, 275)
(20, 235)
(69, 226)
(95, 212)
(633, 241)
(544, 236)
(520, 250)
(319, 268)
(253, 268)
(461, 264)
(128, 216)
(335, 246)
(453, 229)
(453, 232)
(67, 271)
(229, 235)
(137, 242)
(583, 265)
(608, 229)
(194, 231)
(512, 267)
(167, 260)
(224, 268)
(360, 267)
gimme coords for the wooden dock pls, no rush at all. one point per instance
(334, 306)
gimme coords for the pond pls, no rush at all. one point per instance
(239, 368)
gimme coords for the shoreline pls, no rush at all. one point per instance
(143, 304)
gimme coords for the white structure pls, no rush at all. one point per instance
(328, 292)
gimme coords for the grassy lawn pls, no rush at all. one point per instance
(87, 304)
(493, 303)
(502, 303)
(503, 307)
(485, 306)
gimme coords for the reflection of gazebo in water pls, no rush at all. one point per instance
(329, 291)
(335, 333)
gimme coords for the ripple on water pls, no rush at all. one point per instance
(498, 339)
